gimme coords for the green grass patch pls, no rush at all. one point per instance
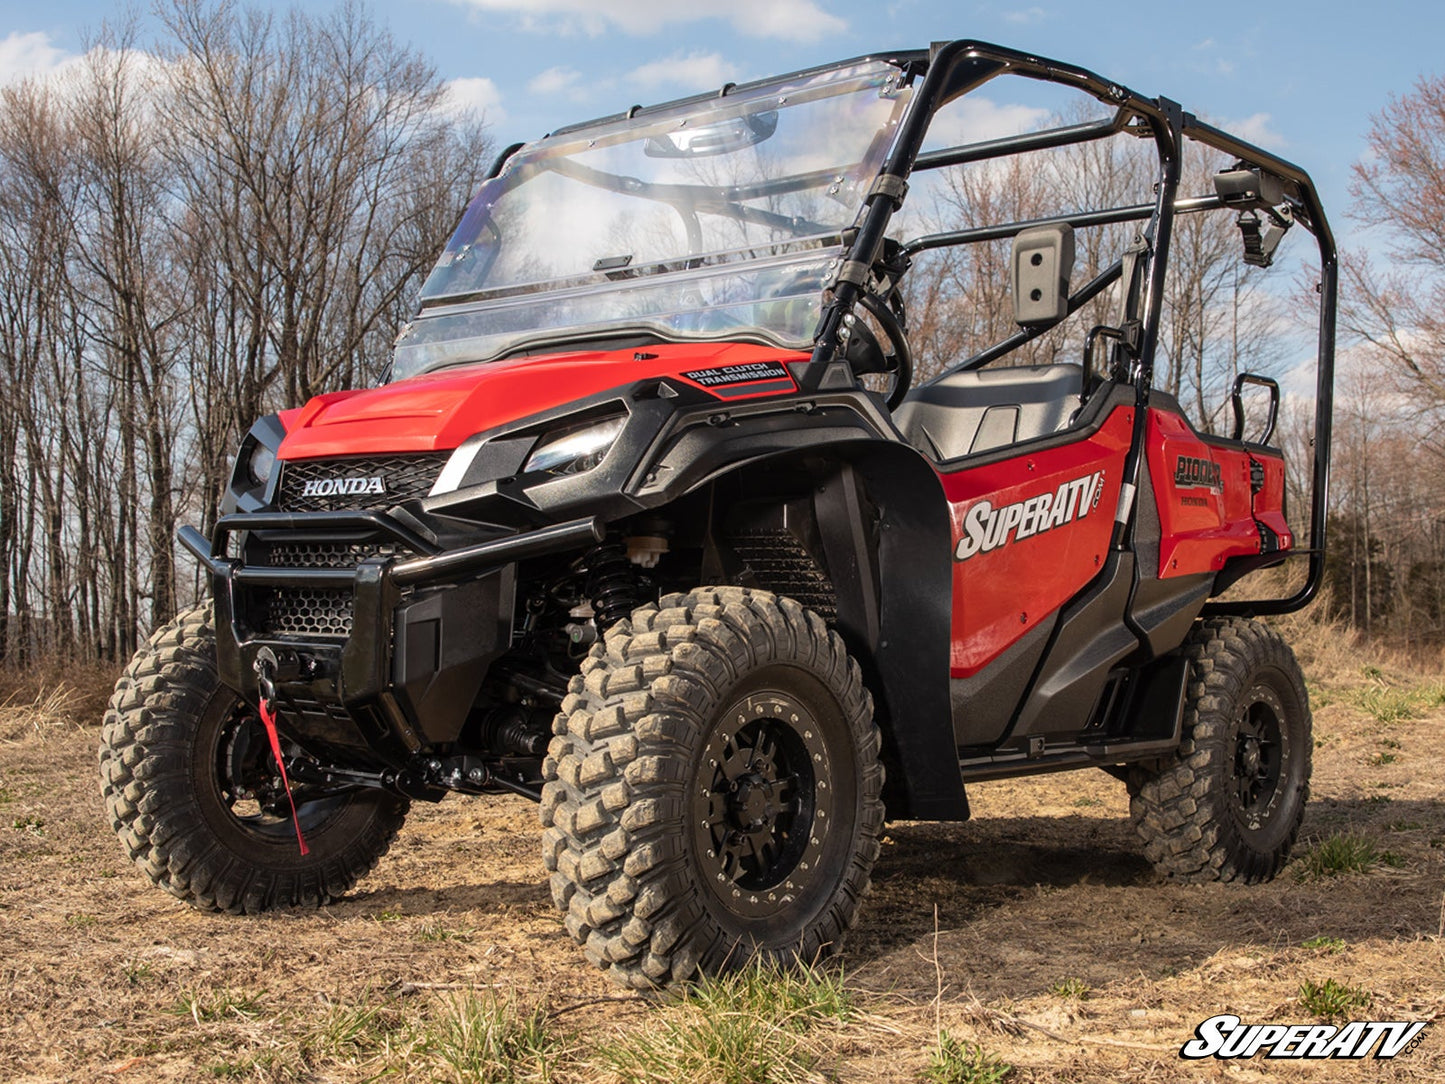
(1341, 853)
(1393, 704)
(349, 1030)
(1379, 760)
(436, 931)
(1330, 945)
(954, 1061)
(488, 1039)
(1331, 1000)
(212, 1004)
(1070, 989)
(749, 1026)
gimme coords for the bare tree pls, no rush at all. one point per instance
(1400, 192)
(190, 237)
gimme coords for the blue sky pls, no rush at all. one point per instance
(1300, 77)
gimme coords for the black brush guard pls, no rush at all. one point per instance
(424, 631)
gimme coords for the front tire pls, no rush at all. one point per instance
(1228, 805)
(191, 790)
(713, 789)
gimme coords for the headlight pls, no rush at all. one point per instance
(261, 463)
(574, 450)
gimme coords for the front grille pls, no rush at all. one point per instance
(330, 554)
(403, 478)
(309, 611)
(317, 611)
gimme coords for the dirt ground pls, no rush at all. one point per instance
(1055, 945)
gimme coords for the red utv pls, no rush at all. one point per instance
(629, 531)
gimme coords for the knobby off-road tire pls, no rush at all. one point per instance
(712, 789)
(1228, 805)
(173, 740)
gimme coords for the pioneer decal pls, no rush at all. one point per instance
(987, 528)
(1192, 473)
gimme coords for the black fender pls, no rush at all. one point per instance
(883, 527)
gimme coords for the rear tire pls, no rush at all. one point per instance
(713, 789)
(1228, 805)
(173, 743)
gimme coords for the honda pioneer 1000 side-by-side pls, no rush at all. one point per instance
(650, 523)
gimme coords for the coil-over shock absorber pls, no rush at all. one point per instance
(614, 585)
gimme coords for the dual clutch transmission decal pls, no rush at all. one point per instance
(738, 381)
(987, 528)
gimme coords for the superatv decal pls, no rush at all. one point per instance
(987, 528)
(338, 487)
(1192, 473)
(737, 381)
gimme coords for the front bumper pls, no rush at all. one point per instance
(424, 630)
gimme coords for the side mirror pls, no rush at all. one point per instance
(1043, 261)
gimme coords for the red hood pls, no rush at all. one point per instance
(437, 411)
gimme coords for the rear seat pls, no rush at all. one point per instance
(965, 413)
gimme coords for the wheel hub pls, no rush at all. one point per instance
(752, 805)
(1258, 757)
(1249, 755)
(761, 804)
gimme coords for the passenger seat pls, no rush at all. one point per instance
(965, 413)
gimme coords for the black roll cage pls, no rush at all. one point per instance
(952, 69)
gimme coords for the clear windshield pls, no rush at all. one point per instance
(710, 219)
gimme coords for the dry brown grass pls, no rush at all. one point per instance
(43, 698)
(452, 944)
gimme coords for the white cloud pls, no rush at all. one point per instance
(477, 95)
(974, 118)
(1255, 129)
(1027, 15)
(793, 20)
(695, 71)
(554, 81)
(23, 56)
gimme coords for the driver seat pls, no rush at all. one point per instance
(972, 411)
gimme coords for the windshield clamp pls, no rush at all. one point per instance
(890, 185)
(854, 272)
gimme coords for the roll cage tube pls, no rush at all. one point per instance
(954, 69)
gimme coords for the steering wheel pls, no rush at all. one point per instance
(866, 355)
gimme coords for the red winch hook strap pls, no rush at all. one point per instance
(268, 718)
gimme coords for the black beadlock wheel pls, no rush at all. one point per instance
(713, 789)
(1229, 804)
(194, 795)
